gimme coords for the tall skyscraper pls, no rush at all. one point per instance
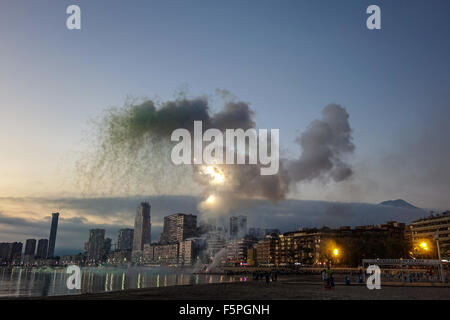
(142, 227)
(125, 239)
(16, 251)
(30, 247)
(4, 251)
(97, 246)
(11, 251)
(52, 239)
(107, 245)
(178, 227)
(238, 227)
(215, 240)
(42, 248)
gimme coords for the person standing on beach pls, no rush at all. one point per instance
(328, 278)
(324, 278)
(331, 280)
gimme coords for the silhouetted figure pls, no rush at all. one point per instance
(331, 281)
(328, 286)
(324, 278)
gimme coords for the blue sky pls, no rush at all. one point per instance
(287, 58)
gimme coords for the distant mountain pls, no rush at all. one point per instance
(400, 203)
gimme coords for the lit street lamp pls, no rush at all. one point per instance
(424, 246)
(335, 253)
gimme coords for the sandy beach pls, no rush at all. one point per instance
(284, 289)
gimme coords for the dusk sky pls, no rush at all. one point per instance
(287, 59)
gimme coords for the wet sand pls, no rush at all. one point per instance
(292, 289)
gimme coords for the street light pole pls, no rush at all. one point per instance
(441, 269)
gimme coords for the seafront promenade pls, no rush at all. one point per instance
(286, 288)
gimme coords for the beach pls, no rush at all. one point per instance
(298, 288)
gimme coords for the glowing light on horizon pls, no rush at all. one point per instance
(211, 199)
(216, 174)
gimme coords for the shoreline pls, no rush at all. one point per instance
(287, 289)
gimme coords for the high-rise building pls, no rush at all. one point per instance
(178, 227)
(97, 246)
(42, 248)
(30, 247)
(435, 225)
(313, 246)
(52, 238)
(125, 239)
(107, 245)
(260, 233)
(15, 253)
(215, 241)
(142, 227)
(4, 251)
(266, 250)
(11, 252)
(238, 227)
(191, 250)
(237, 250)
(186, 252)
(166, 253)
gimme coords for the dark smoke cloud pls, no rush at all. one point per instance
(325, 144)
(133, 149)
(234, 115)
(138, 120)
(134, 144)
(135, 121)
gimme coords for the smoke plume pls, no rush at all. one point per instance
(325, 145)
(132, 147)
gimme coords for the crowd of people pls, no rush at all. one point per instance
(267, 276)
(327, 278)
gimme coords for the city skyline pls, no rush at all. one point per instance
(234, 225)
(182, 239)
(261, 214)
